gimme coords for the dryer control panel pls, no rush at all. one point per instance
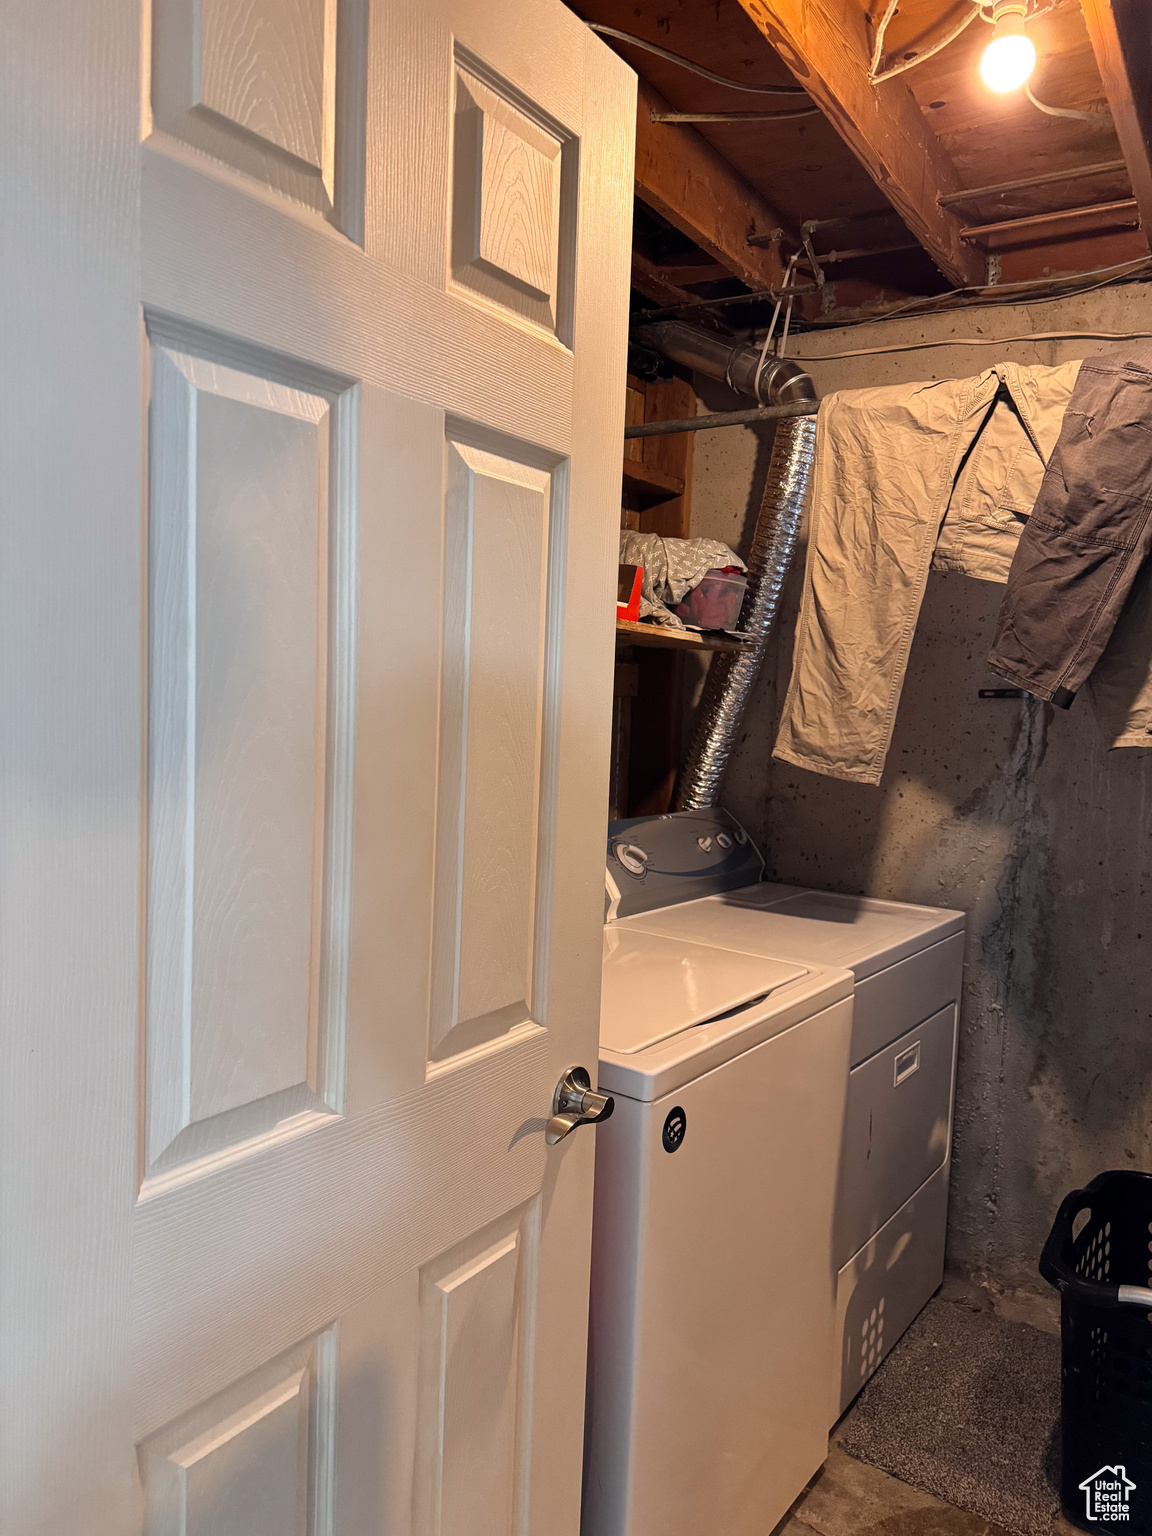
(657, 861)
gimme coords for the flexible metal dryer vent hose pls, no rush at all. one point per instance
(733, 673)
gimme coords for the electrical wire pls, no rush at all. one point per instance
(783, 347)
(1099, 119)
(771, 329)
(1121, 273)
(932, 303)
(878, 76)
(696, 69)
(940, 303)
(977, 341)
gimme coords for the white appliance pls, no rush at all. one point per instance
(817, 1205)
(892, 1206)
(713, 1300)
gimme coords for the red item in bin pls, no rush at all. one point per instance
(628, 584)
(716, 600)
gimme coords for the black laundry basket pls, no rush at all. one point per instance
(1099, 1257)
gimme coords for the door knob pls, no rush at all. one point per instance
(574, 1103)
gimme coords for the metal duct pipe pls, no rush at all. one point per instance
(780, 382)
(733, 673)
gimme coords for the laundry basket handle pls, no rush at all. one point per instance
(1056, 1270)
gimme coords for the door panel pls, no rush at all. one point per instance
(309, 300)
(272, 89)
(513, 187)
(492, 701)
(257, 1460)
(248, 835)
(476, 1306)
(293, 1239)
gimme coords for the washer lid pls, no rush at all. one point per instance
(654, 987)
(864, 934)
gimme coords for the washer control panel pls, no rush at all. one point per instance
(656, 861)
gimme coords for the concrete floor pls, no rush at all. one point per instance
(850, 1498)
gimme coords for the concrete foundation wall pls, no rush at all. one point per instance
(1010, 810)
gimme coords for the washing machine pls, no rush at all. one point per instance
(713, 1278)
(907, 967)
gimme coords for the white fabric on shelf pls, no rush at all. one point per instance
(672, 567)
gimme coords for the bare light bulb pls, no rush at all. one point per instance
(1010, 57)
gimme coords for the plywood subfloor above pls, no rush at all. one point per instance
(803, 168)
(994, 138)
(806, 171)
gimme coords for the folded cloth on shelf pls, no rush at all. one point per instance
(672, 567)
(908, 478)
(1088, 536)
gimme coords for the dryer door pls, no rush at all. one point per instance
(899, 1128)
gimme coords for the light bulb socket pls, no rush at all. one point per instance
(1010, 57)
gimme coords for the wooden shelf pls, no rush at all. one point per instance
(630, 633)
(650, 485)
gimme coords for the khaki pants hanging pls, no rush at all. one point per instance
(911, 478)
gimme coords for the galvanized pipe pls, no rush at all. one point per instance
(722, 419)
(1124, 212)
(833, 258)
(706, 306)
(732, 117)
(1047, 179)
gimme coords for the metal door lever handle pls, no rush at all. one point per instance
(574, 1103)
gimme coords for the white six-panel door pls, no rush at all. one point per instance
(313, 435)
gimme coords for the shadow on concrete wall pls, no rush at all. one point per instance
(1014, 812)
(1018, 814)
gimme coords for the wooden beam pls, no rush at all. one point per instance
(685, 270)
(1076, 254)
(827, 46)
(683, 178)
(1121, 33)
(648, 279)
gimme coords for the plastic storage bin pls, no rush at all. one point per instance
(1099, 1257)
(715, 601)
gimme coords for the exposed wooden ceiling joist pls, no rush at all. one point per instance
(648, 279)
(827, 47)
(702, 270)
(1122, 42)
(690, 185)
